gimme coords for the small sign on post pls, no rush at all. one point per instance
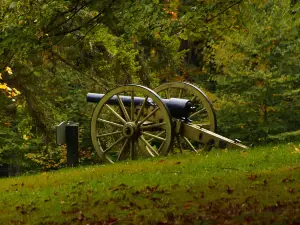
(61, 133)
(67, 133)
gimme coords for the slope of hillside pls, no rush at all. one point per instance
(261, 185)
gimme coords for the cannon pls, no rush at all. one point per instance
(133, 121)
(179, 108)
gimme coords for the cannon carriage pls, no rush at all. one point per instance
(133, 121)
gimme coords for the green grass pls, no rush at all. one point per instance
(261, 185)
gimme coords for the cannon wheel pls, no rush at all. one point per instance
(122, 132)
(204, 116)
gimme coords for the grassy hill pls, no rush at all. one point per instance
(258, 186)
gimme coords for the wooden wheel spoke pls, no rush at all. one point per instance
(132, 106)
(141, 110)
(158, 135)
(190, 144)
(196, 113)
(153, 136)
(114, 144)
(149, 148)
(116, 114)
(109, 122)
(193, 98)
(109, 134)
(148, 116)
(131, 149)
(122, 150)
(160, 147)
(168, 93)
(123, 108)
(179, 143)
(180, 93)
(153, 125)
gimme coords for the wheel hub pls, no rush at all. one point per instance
(129, 129)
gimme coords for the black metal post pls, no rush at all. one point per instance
(72, 133)
(4, 170)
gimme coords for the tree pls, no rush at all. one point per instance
(258, 71)
(60, 50)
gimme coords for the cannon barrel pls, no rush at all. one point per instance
(179, 108)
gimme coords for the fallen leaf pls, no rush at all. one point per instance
(230, 190)
(286, 180)
(119, 187)
(81, 216)
(96, 202)
(265, 182)
(154, 199)
(211, 186)
(187, 206)
(136, 193)
(111, 220)
(163, 222)
(152, 189)
(33, 209)
(252, 177)
(290, 190)
(202, 194)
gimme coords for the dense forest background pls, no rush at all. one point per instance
(244, 54)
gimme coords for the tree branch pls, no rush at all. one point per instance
(87, 23)
(76, 11)
(220, 13)
(5, 12)
(75, 68)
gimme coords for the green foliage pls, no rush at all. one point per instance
(258, 66)
(60, 50)
(243, 54)
(16, 137)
